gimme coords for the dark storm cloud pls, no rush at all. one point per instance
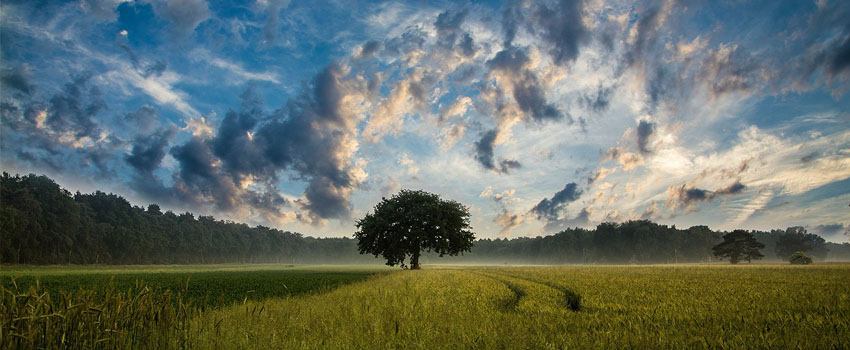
(198, 179)
(308, 136)
(467, 45)
(484, 154)
(562, 28)
(73, 109)
(63, 132)
(644, 131)
(144, 119)
(528, 91)
(370, 48)
(484, 149)
(512, 17)
(148, 151)
(268, 201)
(507, 165)
(687, 197)
(17, 78)
(734, 188)
(550, 209)
(450, 35)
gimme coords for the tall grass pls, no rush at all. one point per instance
(682, 307)
(89, 319)
(587, 307)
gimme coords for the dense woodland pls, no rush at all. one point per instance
(41, 223)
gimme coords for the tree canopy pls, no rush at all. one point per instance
(797, 239)
(412, 221)
(739, 245)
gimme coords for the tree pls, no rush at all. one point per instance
(797, 239)
(411, 221)
(800, 258)
(739, 245)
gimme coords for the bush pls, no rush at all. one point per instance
(800, 258)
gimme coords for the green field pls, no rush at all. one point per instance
(683, 306)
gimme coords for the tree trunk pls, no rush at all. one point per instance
(414, 261)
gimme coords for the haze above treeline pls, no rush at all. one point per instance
(42, 223)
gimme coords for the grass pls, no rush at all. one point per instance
(694, 307)
(202, 286)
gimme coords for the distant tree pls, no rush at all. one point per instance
(800, 258)
(739, 245)
(411, 221)
(797, 239)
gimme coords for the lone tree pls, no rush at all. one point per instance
(411, 221)
(739, 245)
(800, 258)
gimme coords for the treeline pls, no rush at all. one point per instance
(41, 223)
(641, 242)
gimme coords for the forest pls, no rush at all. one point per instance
(42, 223)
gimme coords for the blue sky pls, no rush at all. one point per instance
(538, 115)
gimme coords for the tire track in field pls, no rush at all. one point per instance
(572, 300)
(518, 293)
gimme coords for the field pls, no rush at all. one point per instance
(682, 306)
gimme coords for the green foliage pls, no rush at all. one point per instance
(796, 239)
(800, 258)
(739, 245)
(411, 221)
(41, 223)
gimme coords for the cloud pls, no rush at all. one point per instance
(271, 25)
(484, 154)
(550, 209)
(597, 100)
(627, 160)
(405, 161)
(644, 131)
(148, 151)
(369, 49)
(508, 221)
(451, 135)
(200, 180)
(562, 28)
(101, 9)
(448, 27)
(144, 119)
(510, 68)
(184, 15)
(688, 197)
(17, 78)
(407, 96)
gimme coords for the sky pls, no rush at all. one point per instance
(537, 115)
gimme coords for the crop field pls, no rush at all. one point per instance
(681, 306)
